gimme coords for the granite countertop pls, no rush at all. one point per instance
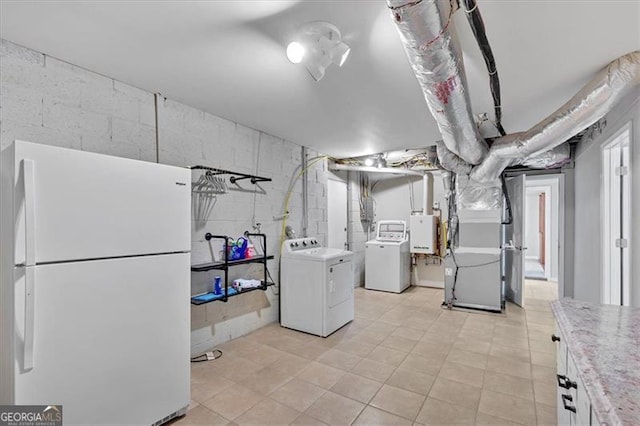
(604, 341)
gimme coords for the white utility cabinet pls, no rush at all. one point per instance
(423, 233)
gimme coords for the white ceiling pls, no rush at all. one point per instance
(228, 58)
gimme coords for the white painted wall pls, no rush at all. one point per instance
(532, 239)
(392, 202)
(588, 195)
(48, 101)
(392, 197)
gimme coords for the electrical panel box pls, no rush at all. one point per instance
(423, 235)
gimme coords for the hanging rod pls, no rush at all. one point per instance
(236, 175)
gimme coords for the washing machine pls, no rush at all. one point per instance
(316, 287)
(387, 258)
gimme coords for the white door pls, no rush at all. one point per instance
(110, 339)
(616, 219)
(337, 214)
(74, 205)
(514, 238)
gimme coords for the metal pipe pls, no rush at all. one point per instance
(392, 170)
(425, 187)
(305, 192)
(433, 50)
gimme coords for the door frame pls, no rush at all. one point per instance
(515, 293)
(544, 188)
(543, 220)
(558, 177)
(610, 205)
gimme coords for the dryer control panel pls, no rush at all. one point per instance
(300, 244)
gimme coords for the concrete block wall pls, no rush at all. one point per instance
(49, 101)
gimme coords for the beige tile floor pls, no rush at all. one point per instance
(403, 360)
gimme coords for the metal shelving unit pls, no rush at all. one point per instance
(225, 265)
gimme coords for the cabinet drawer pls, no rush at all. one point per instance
(561, 352)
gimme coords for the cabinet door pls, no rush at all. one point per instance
(561, 370)
(593, 419)
(580, 401)
(572, 375)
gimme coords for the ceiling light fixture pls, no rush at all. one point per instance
(295, 52)
(317, 46)
(368, 162)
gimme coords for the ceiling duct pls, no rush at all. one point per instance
(450, 161)
(552, 159)
(429, 38)
(608, 87)
(433, 50)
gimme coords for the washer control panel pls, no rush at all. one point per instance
(300, 244)
(391, 230)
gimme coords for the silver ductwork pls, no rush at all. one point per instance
(552, 159)
(543, 145)
(596, 98)
(427, 31)
(450, 161)
(433, 50)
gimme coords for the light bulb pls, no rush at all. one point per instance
(295, 52)
(368, 162)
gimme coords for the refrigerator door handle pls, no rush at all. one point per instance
(29, 318)
(28, 168)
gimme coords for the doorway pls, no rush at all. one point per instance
(544, 236)
(616, 218)
(538, 260)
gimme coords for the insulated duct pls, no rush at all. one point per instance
(432, 47)
(552, 159)
(589, 105)
(450, 161)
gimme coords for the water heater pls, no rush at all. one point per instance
(423, 234)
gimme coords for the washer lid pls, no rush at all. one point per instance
(320, 254)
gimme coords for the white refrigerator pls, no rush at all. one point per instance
(94, 291)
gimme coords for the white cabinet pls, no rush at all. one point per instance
(574, 406)
(561, 374)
